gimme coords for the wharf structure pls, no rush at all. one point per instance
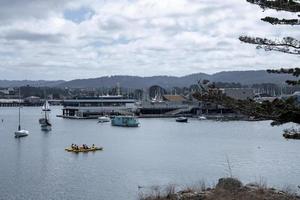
(28, 101)
(166, 106)
(10, 102)
(160, 105)
(93, 107)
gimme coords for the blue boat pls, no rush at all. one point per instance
(126, 121)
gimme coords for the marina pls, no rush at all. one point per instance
(149, 100)
(145, 156)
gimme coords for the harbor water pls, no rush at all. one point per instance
(159, 152)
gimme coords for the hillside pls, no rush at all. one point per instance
(243, 77)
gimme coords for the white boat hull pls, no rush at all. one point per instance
(21, 133)
(103, 119)
(202, 118)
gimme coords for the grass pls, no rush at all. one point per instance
(255, 191)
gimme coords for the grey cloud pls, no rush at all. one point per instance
(136, 40)
(25, 9)
(32, 37)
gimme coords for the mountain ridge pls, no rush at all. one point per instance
(244, 77)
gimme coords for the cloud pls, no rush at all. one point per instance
(64, 39)
(31, 37)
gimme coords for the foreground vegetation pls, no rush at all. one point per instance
(226, 189)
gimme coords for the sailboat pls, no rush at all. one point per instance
(46, 106)
(45, 122)
(20, 132)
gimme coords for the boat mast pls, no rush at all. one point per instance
(45, 104)
(19, 127)
(45, 114)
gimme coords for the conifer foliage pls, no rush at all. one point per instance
(287, 44)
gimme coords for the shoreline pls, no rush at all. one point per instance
(226, 189)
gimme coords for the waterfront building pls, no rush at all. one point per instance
(166, 105)
(93, 107)
(175, 98)
(32, 100)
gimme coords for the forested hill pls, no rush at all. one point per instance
(243, 77)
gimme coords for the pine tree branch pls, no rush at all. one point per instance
(279, 5)
(292, 82)
(279, 111)
(286, 45)
(293, 71)
(276, 21)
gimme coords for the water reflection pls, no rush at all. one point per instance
(159, 152)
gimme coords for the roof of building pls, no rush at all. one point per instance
(174, 98)
(32, 97)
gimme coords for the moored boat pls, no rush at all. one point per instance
(181, 119)
(125, 121)
(20, 132)
(103, 119)
(45, 122)
(202, 117)
(291, 133)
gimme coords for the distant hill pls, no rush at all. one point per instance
(38, 83)
(243, 77)
(135, 81)
(250, 77)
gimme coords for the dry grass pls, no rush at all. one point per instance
(157, 192)
(247, 195)
(257, 191)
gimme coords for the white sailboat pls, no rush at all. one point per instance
(20, 132)
(46, 106)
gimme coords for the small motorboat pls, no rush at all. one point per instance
(202, 117)
(103, 119)
(181, 119)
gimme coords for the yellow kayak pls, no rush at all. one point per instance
(70, 149)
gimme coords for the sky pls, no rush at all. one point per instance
(74, 39)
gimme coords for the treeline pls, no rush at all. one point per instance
(60, 93)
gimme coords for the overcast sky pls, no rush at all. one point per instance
(68, 39)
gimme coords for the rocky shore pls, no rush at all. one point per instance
(226, 189)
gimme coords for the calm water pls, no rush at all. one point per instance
(159, 152)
